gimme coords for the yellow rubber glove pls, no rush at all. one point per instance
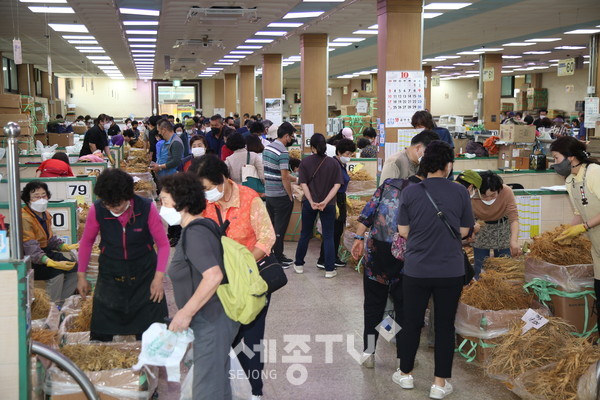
(112, 161)
(567, 236)
(62, 265)
(69, 247)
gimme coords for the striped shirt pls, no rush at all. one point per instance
(275, 159)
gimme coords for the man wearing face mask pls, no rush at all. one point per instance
(152, 132)
(95, 138)
(129, 293)
(278, 189)
(495, 208)
(185, 138)
(171, 152)
(43, 247)
(216, 136)
(406, 162)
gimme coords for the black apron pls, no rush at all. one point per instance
(42, 272)
(122, 304)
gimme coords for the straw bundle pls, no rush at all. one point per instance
(40, 307)
(295, 153)
(495, 293)
(361, 175)
(45, 336)
(141, 186)
(518, 353)
(355, 206)
(94, 357)
(578, 252)
(83, 321)
(510, 268)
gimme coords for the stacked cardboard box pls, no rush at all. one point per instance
(522, 103)
(511, 106)
(11, 106)
(510, 133)
(512, 156)
(537, 98)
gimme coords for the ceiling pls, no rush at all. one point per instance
(188, 43)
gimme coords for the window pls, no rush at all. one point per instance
(10, 75)
(38, 82)
(508, 86)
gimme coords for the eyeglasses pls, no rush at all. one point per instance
(35, 197)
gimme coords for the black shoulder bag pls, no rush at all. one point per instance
(469, 271)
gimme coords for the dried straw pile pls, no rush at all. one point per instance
(578, 252)
(40, 308)
(83, 321)
(295, 153)
(510, 268)
(45, 336)
(95, 357)
(495, 293)
(361, 175)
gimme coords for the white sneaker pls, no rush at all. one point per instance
(299, 269)
(405, 381)
(330, 274)
(368, 360)
(256, 397)
(439, 392)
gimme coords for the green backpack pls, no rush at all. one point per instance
(243, 292)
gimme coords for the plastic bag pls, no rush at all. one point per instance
(240, 385)
(361, 188)
(587, 388)
(51, 322)
(161, 347)
(570, 278)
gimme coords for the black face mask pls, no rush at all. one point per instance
(215, 131)
(291, 142)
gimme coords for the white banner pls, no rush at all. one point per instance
(273, 110)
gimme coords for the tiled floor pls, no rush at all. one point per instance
(311, 305)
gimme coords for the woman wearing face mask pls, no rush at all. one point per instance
(185, 138)
(198, 149)
(129, 293)
(496, 209)
(250, 226)
(582, 181)
(43, 246)
(321, 178)
(241, 157)
(344, 150)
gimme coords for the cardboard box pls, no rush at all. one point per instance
(476, 347)
(41, 127)
(517, 133)
(61, 139)
(509, 155)
(573, 311)
(21, 119)
(292, 234)
(42, 137)
(348, 110)
(520, 162)
(79, 129)
(10, 100)
(7, 110)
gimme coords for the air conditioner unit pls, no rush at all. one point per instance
(219, 13)
(204, 42)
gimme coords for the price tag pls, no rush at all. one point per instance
(74, 189)
(80, 199)
(532, 320)
(355, 167)
(92, 170)
(60, 219)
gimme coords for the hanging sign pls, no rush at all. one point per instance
(273, 110)
(488, 74)
(17, 51)
(566, 67)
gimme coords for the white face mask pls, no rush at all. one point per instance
(198, 151)
(345, 160)
(488, 202)
(179, 133)
(189, 131)
(419, 160)
(170, 215)
(213, 194)
(39, 205)
(128, 126)
(122, 212)
(107, 125)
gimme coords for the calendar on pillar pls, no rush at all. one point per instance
(404, 95)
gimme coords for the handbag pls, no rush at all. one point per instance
(537, 160)
(269, 269)
(469, 270)
(250, 176)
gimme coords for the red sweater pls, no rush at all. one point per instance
(53, 168)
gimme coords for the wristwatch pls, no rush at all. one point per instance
(357, 237)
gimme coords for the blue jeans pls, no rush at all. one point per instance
(327, 218)
(481, 254)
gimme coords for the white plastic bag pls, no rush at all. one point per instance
(48, 151)
(161, 347)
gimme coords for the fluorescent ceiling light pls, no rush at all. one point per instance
(108, 67)
(510, 66)
(91, 51)
(366, 32)
(464, 64)
(294, 58)
(484, 49)
(83, 41)
(140, 32)
(582, 32)
(427, 15)
(446, 67)
(305, 14)
(510, 57)
(470, 53)
(228, 60)
(518, 44)
(285, 25)
(241, 52)
(570, 47)
(537, 52)
(447, 57)
(431, 59)
(139, 11)
(142, 45)
(543, 40)
(506, 71)
(376, 26)
(271, 33)
(44, 1)
(80, 37)
(52, 10)
(446, 6)
(233, 56)
(337, 44)
(586, 56)
(223, 63)
(348, 39)
(259, 41)
(98, 57)
(323, 1)
(88, 47)
(214, 69)
(142, 39)
(253, 47)
(143, 51)
(285, 64)
(75, 28)
(140, 23)
(471, 72)
(331, 49)
(103, 62)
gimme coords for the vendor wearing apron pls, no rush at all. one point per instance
(582, 181)
(129, 294)
(497, 208)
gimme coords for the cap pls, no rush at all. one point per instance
(189, 123)
(286, 128)
(272, 132)
(347, 133)
(558, 120)
(472, 177)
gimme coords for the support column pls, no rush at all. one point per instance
(231, 94)
(427, 70)
(593, 78)
(247, 89)
(46, 87)
(219, 93)
(314, 80)
(399, 46)
(374, 83)
(1, 79)
(536, 81)
(26, 79)
(492, 92)
(272, 81)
